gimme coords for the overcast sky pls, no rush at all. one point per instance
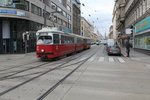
(98, 12)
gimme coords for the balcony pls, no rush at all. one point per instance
(122, 19)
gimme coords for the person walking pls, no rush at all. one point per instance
(128, 46)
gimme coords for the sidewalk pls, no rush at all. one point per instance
(137, 56)
(8, 57)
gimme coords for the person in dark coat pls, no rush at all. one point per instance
(128, 46)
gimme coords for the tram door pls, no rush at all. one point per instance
(56, 42)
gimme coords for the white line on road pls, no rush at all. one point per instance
(91, 59)
(147, 66)
(82, 59)
(101, 59)
(111, 59)
(121, 60)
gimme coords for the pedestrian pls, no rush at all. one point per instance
(128, 46)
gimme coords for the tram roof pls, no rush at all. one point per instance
(55, 30)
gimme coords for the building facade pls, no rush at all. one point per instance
(76, 16)
(110, 36)
(87, 29)
(136, 16)
(114, 23)
(119, 21)
(30, 15)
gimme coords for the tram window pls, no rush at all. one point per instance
(79, 40)
(56, 38)
(62, 39)
(44, 40)
(73, 40)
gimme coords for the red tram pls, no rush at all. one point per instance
(52, 43)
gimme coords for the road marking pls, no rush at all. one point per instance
(101, 59)
(121, 60)
(111, 59)
(82, 59)
(91, 59)
(147, 66)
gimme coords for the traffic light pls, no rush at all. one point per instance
(132, 32)
(16, 1)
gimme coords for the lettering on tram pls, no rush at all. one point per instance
(52, 43)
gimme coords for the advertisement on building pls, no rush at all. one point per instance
(142, 34)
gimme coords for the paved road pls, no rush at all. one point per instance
(100, 77)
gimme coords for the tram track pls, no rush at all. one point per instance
(31, 68)
(64, 78)
(17, 66)
(42, 71)
(41, 74)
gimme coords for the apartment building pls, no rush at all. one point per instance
(115, 33)
(30, 15)
(76, 16)
(119, 21)
(110, 36)
(87, 29)
(134, 14)
(137, 14)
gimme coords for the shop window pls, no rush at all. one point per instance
(142, 41)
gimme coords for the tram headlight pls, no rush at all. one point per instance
(42, 50)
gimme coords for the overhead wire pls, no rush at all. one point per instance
(92, 19)
(95, 20)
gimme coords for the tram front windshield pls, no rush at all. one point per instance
(44, 40)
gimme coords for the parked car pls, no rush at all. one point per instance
(92, 43)
(115, 49)
(97, 43)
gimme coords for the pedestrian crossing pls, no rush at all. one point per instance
(101, 59)
(108, 59)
